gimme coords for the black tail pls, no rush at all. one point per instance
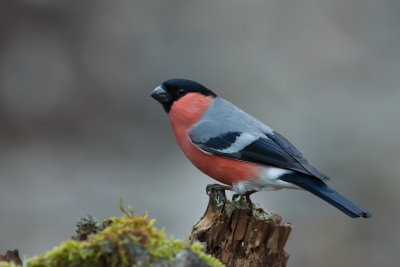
(321, 190)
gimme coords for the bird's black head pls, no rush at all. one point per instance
(173, 89)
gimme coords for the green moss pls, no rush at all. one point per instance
(113, 243)
(197, 248)
(7, 264)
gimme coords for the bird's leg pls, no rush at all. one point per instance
(247, 196)
(235, 196)
(218, 188)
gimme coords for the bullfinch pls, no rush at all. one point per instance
(238, 150)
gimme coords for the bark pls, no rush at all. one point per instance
(240, 234)
(11, 256)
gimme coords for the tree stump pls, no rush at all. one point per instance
(11, 256)
(240, 234)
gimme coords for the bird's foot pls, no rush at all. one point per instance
(235, 197)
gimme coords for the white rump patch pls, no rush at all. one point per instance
(268, 181)
(243, 140)
(270, 176)
(273, 173)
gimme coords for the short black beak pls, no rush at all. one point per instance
(160, 94)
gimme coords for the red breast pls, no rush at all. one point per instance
(186, 112)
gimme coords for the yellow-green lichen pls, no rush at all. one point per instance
(242, 203)
(239, 203)
(112, 245)
(220, 200)
(263, 215)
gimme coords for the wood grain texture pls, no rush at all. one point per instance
(240, 234)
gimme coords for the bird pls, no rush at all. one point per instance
(236, 149)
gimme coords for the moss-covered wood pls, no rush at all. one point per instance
(11, 256)
(130, 240)
(240, 234)
(235, 232)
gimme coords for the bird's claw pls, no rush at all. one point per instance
(235, 197)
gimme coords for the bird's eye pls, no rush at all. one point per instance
(181, 92)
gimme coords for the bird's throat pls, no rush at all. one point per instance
(188, 110)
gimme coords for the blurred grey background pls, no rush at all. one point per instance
(79, 130)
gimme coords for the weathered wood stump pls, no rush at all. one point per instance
(11, 256)
(240, 234)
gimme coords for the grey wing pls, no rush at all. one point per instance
(237, 135)
(222, 117)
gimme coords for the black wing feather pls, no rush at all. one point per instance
(266, 152)
(296, 154)
(271, 151)
(322, 190)
(223, 141)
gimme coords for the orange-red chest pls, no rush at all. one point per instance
(185, 113)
